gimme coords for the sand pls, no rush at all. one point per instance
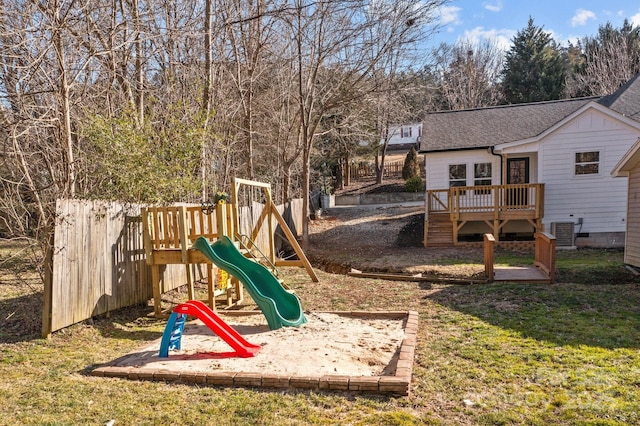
(328, 344)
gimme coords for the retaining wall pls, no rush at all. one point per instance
(389, 197)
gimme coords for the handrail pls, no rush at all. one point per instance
(255, 246)
(545, 257)
(438, 200)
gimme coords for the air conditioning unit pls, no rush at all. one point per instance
(564, 233)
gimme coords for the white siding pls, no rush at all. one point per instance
(398, 139)
(437, 166)
(600, 200)
(632, 246)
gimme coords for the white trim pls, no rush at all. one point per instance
(587, 175)
(466, 173)
(628, 161)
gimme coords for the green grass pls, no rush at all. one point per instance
(490, 354)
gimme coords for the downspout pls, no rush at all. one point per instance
(502, 160)
(426, 202)
(503, 180)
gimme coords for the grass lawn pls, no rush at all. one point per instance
(487, 354)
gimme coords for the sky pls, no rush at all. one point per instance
(499, 20)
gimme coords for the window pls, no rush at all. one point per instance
(587, 163)
(405, 132)
(457, 175)
(482, 177)
(482, 174)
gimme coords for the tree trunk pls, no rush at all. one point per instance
(65, 121)
(138, 65)
(206, 95)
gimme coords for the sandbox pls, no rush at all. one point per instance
(335, 351)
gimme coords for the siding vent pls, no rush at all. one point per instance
(564, 233)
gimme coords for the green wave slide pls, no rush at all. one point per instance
(280, 307)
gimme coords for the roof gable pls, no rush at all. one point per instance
(590, 106)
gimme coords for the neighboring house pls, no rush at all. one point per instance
(629, 167)
(404, 137)
(517, 169)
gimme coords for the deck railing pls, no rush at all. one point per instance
(495, 199)
(546, 254)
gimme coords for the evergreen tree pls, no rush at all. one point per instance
(411, 167)
(534, 69)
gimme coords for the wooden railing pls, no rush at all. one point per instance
(489, 243)
(546, 254)
(438, 200)
(494, 199)
(391, 169)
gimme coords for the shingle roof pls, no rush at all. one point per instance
(626, 100)
(485, 127)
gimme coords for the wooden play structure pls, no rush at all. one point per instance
(266, 214)
(170, 231)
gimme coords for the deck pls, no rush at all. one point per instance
(448, 210)
(525, 274)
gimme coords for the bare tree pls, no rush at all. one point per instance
(608, 60)
(163, 100)
(469, 74)
(337, 46)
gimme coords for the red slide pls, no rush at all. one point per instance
(201, 311)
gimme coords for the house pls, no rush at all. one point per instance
(629, 167)
(515, 170)
(404, 137)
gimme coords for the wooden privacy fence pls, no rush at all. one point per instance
(391, 169)
(98, 262)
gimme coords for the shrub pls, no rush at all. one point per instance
(414, 184)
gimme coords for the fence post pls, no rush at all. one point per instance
(489, 242)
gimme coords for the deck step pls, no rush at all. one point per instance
(440, 232)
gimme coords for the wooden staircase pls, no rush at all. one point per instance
(440, 230)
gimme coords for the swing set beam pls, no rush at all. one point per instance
(269, 213)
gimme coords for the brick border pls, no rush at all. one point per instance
(397, 384)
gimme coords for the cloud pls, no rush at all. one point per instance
(581, 17)
(449, 15)
(493, 7)
(635, 19)
(501, 37)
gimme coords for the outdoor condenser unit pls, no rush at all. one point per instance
(564, 233)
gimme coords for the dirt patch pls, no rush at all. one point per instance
(411, 234)
(369, 186)
(384, 239)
